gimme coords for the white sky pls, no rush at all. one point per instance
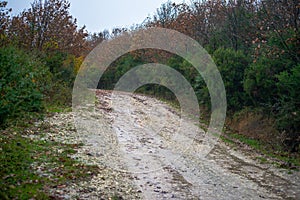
(98, 15)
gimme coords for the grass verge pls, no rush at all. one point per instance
(284, 159)
(29, 169)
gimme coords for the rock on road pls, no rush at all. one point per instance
(142, 157)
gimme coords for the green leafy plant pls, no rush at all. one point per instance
(23, 80)
(288, 119)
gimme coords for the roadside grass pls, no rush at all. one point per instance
(172, 103)
(249, 141)
(57, 109)
(262, 160)
(227, 140)
(284, 159)
(29, 168)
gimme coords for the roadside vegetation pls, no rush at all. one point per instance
(255, 45)
(36, 78)
(33, 169)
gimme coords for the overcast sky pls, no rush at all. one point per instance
(98, 15)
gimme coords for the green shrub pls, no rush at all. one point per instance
(62, 66)
(288, 116)
(231, 65)
(271, 59)
(23, 79)
(115, 71)
(59, 94)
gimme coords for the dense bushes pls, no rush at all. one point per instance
(116, 70)
(28, 83)
(23, 80)
(232, 65)
(63, 69)
(288, 116)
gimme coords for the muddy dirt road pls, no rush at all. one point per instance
(142, 157)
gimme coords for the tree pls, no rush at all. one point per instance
(4, 22)
(279, 19)
(165, 15)
(48, 26)
(96, 38)
(270, 59)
